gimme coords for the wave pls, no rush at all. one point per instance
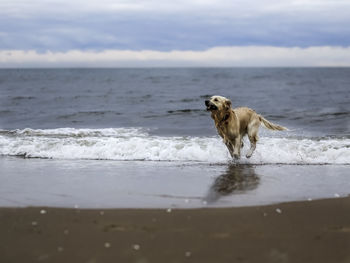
(138, 144)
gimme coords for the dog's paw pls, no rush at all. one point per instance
(250, 153)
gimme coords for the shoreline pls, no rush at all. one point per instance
(108, 184)
(303, 231)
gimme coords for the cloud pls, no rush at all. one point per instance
(27, 8)
(62, 25)
(231, 56)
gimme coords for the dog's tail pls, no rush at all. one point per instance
(271, 126)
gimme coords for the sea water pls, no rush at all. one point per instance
(151, 126)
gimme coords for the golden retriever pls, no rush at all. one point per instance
(233, 124)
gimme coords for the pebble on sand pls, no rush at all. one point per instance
(136, 247)
(188, 253)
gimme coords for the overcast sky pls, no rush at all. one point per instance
(174, 33)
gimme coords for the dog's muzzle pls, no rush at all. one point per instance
(210, 106)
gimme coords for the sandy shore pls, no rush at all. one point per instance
(311, 231)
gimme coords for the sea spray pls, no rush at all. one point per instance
(137, 144)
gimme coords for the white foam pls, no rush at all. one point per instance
(137, 144)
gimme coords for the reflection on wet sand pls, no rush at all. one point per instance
(236, 179)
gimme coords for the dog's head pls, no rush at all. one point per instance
(218, 103)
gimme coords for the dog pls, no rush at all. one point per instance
(233, 124)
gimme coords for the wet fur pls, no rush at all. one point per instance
(233, 124)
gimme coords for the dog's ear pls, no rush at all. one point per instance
(228, 104)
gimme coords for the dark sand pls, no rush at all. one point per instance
(311, 231)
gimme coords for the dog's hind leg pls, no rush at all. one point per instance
(253, 141)
(253, 129)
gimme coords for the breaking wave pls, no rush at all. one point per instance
(138, 144)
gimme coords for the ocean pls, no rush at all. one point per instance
(143, 138)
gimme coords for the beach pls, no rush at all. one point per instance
(125, 165)
(309, 231)
(96, 184)
(55, 210)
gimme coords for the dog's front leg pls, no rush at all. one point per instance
(229, 147)
(237, 148)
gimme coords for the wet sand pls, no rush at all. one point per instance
(96, 184)
(310, 231)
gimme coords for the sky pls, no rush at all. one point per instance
(135, 33)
